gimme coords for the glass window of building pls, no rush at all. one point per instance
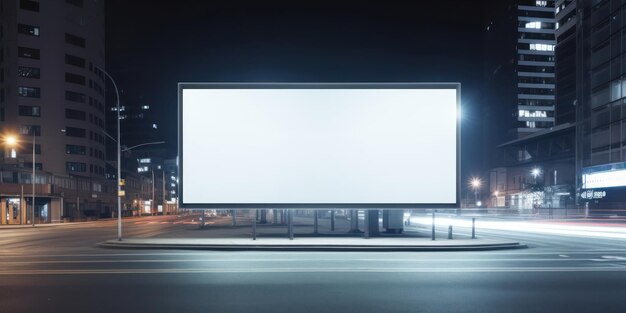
(28, 53)
(28, 149)
(75, 132)
(75, 114)
(74, 60)
(534, 25)
(30, 130)
(29, 5)
(75, 96)
(28, 72)
(75, 79)
(28, 29)
(75, 149)
(75, 167)
(75, 40)
(78, 3)
(27, 110)
(31, 92)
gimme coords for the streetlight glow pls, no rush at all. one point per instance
(535, 172)
(475, 183)
(10, 140)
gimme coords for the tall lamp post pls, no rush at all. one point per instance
(475, 183)
(12, 141)
(119, 159)
(33, 177)
(535, 172)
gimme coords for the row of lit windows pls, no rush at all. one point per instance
(527, 113)
(533, 124)
(541, 47)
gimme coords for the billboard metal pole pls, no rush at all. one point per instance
(315, 221)
(366, 226)
(290, 217)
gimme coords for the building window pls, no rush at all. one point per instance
(75, 96)
(28, 53)
(541, 3)
(31, 92)
(75, 132)
(75, 167)
(38, 166)
(29, 5)
(527, 113)
(75, 79)
(78, 3)
(74, 60)
(30, 130)
(28, 72)
(541, 47)
(533, 25)
(75, 40)
(75, 114)
(28, 149)
(75, 149)
(26, 110)
(28, 29)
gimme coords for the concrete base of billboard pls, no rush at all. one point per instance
(315, 244)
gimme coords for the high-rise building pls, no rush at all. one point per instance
(52, 92)
(534, 171)
(601, 105)
(535, 66)
(565, 61)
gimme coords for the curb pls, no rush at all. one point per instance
(114, 244)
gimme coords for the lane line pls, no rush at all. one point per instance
(350, 255)
(292, 260)
(316, 270)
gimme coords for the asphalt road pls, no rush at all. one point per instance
(60, 269)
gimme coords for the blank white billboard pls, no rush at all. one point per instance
(348, 145)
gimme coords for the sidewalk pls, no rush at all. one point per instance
(315, 244)
(102, 220)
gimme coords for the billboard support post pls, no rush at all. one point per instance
(433, 232)
(254, 225)
(366, 226)
(290, 227)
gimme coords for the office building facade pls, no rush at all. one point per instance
(535, 66)
(52, 93)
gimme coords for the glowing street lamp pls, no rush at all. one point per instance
(535, 172)
(12, 141)
(9, 141)
(476, 183)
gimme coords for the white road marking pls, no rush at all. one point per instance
(349, 254)
(315, 270)
(282, 260)
(612, 257)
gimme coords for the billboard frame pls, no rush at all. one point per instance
(283, 85)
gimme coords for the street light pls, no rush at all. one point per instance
(119, 159)
(535, 172)
(12, 141)
(475, 183)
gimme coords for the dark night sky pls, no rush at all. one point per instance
(152, 45)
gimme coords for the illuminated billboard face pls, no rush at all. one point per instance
(318, 145)
(605, 179)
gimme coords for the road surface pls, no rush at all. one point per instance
(60, 269)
